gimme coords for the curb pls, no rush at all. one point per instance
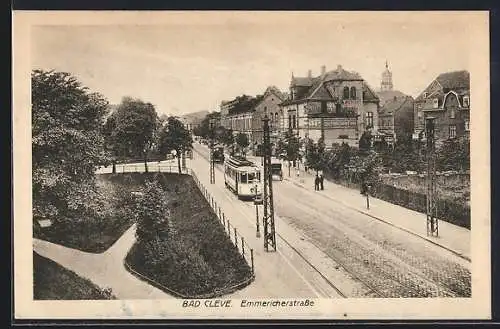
(218, 293)
(388, 223)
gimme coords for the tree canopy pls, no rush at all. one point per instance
(315, 154)
(242, 142)
(174, 136)
(67, 143)
(131, 129)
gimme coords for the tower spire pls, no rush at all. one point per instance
(386, 65)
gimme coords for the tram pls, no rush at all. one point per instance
(276, 169)
(243, 178)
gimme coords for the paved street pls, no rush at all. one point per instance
(389, 258)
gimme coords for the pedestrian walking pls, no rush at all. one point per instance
(321, 179)
(316, 183)
(297, 172)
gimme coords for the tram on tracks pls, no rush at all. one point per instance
(243, 178)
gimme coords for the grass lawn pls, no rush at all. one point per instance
(195, 257)
(95, 234)
(54, 282)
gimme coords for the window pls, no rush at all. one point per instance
(466, 125)
(276, 117)
(346, 92)
(353, 92)
(452, 131)
(452, 113)
(294, 123)
(369, 119)
(466, 101)
(289, 121)
(243, 177)
(425, 95)
(435, 103)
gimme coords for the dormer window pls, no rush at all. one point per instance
(435, 103)
(466, 101)
(425, 95)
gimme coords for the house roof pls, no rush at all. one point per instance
(368, 94)
(454, 80)
(314, 88)
(392, 106)
(301, 81)
(458, 81)
(388, 95)
(341, 74)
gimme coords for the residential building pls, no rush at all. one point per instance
(245, 113)
(447, 99)
(268, 104)
(237, 114)
(337, 106)
(396, 119)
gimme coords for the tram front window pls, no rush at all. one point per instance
(251, 177)
(243, 178)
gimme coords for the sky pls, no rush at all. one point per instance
(184, 63)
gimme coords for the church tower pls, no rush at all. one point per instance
(386, 83)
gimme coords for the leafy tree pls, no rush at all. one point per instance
(67, 145)
(134, 126)
(150, 209)
(408, 154)
(290, 146)
(242, 142)
(226, 137)
(337, 158)
(453, 154)
(315, 154)
(174, 136)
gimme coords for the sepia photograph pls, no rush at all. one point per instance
(251, 165)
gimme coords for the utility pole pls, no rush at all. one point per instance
(257, 202)
(212, 162)
(269, 229)
(432, 221)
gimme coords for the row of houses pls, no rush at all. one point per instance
(339, 105)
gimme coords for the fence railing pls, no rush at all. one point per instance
(235, 237)
(121, 169)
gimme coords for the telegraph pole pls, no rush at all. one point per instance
(432, 221)
(269, 229)
(212, 163)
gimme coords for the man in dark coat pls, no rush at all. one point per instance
(321, 179)
(316, 183)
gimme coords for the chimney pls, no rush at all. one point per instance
(309, 74)
(323, 70)
(339, 67)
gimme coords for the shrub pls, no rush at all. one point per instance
(151, 212)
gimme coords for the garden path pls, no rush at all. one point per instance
(106, 270)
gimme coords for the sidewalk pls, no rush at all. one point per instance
(451, 237)
(106, 270)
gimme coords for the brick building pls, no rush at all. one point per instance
(447, 98)
(337, 106)
(245, 113)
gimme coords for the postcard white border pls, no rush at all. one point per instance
(476, 307)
